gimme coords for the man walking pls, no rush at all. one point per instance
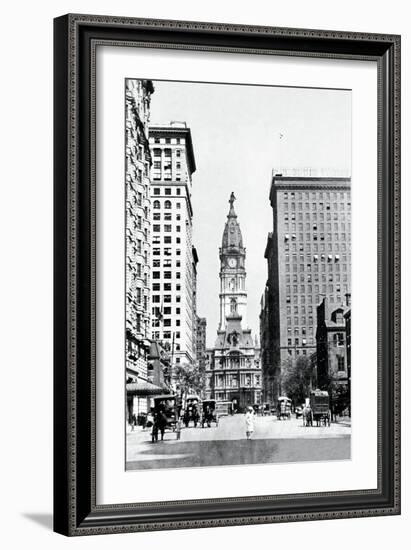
(249, 422)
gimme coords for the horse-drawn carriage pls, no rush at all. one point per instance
(165, 414)
(283, 408)
(192, 410)
(318, 410)
(209, 414)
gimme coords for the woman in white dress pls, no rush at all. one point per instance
(249, 422)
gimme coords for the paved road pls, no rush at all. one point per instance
(273, 441)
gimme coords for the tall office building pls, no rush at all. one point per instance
(174, 257)
(233, 370)
(138, 163)
(309, 256)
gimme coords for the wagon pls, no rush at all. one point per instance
(192, 410)
(320, 407)
(168, 407)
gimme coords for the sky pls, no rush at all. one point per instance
(236, 140)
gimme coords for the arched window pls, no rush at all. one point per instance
(156, 205)
(167, 204)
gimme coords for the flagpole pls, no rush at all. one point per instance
(280, 138)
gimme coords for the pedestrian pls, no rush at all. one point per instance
(179, 424)
(133, 422)
(154, 430)
(162, 423)
(249, 422)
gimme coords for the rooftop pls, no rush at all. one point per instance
(176, 129)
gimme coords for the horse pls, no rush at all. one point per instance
(307, 416)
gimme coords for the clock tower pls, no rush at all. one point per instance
(233, 295)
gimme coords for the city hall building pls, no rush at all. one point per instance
(233, 369)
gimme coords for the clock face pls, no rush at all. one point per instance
(232, 262)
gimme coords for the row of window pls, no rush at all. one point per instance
(167, 335)
(166, 251)
(165, 165)
(332, 277)
(315, 195)
(297, 351)
(166, 275)
(302, 297)
(167, 205)
(318, 226)
(166, 191)
(169, 140)
(303, 310)
(297, 342)
(315, 247)
(166, 263)
(307, 267)
(165, 322)
(167, 216)
(166, 177)
(315, 298)
(167, 239)
(317, 237)
(315, 258)
(158, 152)
(316, 206)
(165, 311)
(167, 228)
(166, 298)
(303, 330)
(338, 288)
(317, 216)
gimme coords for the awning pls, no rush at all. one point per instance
(143, 388)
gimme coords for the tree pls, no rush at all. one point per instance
(190, 378)
(339, 394)
(296, 378)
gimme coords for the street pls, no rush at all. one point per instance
(272, 441)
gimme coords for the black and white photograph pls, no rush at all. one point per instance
(238, 274)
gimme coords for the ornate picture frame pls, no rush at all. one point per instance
(76, 39)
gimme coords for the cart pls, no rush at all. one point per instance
(192, 410)
(320, 406)
(165, 414)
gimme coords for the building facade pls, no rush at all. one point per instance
(201, 346)
(233, 369)
(201, 337)
(308, 256)
(333, 338)
(138, 244)
(174, 257)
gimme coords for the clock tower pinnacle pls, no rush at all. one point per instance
(233, 294)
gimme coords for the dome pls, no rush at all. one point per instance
(232, 237)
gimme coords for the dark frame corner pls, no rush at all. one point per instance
(75, 509)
